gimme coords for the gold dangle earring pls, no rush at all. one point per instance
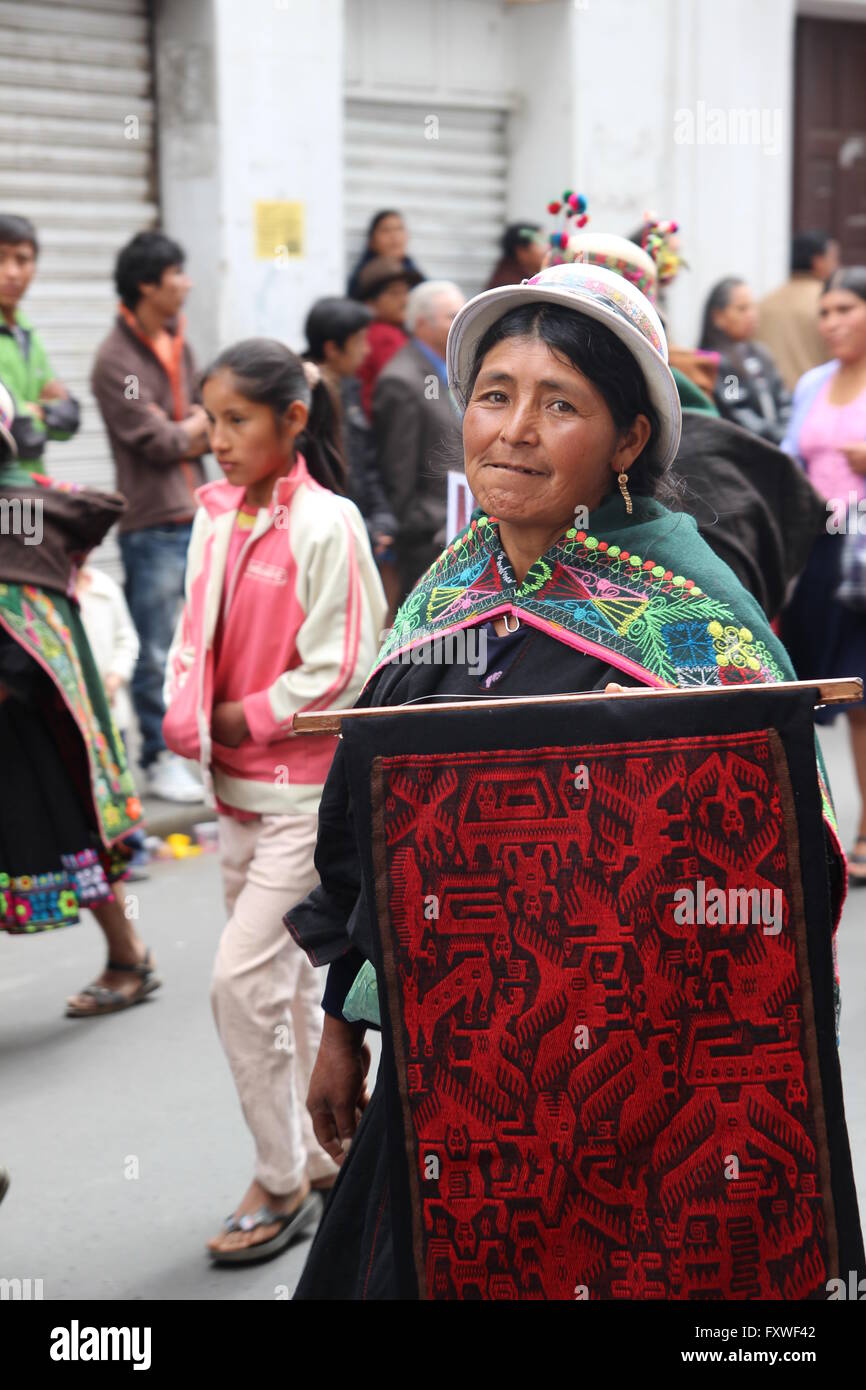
(623, 487)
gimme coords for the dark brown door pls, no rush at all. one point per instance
(830, 133)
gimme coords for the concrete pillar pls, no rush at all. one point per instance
(542, 126)
(250, 113)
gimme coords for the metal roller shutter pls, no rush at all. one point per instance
(451, 190)
(71, 77)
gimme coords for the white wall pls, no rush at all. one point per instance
(189, 155)
(734, 199)
(541, 128)
(635, 66)
(280, 85)
(250, 109)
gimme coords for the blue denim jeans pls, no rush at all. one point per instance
(155, 561)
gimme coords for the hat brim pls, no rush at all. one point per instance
(474, 319)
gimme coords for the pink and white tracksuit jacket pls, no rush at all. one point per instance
(298, 624)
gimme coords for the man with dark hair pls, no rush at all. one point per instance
(523, 251)
(788, 317)
(44, 408)
(815, 254)
(144, 382)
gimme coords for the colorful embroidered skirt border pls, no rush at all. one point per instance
(41, 902)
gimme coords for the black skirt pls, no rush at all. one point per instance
(52, 860)
(824, 639)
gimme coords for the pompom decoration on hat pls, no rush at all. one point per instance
(660, 240)
(570, 205)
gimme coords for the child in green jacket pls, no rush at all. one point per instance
(44, 408)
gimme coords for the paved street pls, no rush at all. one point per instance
(79, 1100)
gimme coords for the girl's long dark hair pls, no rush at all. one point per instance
(712, 338)
(269, 373)
(599, 355)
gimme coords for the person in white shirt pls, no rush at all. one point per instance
(112, 637)
(114, 643)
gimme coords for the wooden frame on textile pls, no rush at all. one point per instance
(827, 692)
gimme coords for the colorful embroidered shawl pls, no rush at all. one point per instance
(627, 593)
(644, 593)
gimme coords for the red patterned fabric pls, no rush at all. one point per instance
(599, 1101)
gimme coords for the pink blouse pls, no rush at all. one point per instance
(826, 428)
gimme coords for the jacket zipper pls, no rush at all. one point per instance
(255, 535)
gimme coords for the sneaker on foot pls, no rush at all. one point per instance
(168, 779)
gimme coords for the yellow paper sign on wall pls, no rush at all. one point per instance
(279, 231)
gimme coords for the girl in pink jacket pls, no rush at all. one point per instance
(283, 612)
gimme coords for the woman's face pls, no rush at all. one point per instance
(539, 438)
(739, 318)
(842, 321)
(390, 238)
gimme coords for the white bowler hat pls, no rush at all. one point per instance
(597, 294)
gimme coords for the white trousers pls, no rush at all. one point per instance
(266, 996)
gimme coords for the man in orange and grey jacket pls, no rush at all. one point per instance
(144, 380)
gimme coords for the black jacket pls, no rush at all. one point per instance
(418, 439)
(753, 505)
(365, 483)
(750, 392)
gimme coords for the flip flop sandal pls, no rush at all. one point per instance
(302, 1221)
(113, 1001)
(855, 880)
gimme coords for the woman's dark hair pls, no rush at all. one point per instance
(719, 297)
(805, 246)
(143, 261)
(852, 278)
(15, 229)
(518, 234)
(603, 359)
(380, 217)
(333, 321)
(269, 373)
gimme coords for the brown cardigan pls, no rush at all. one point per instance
(148, 447)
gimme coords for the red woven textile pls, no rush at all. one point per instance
(599, 1099)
